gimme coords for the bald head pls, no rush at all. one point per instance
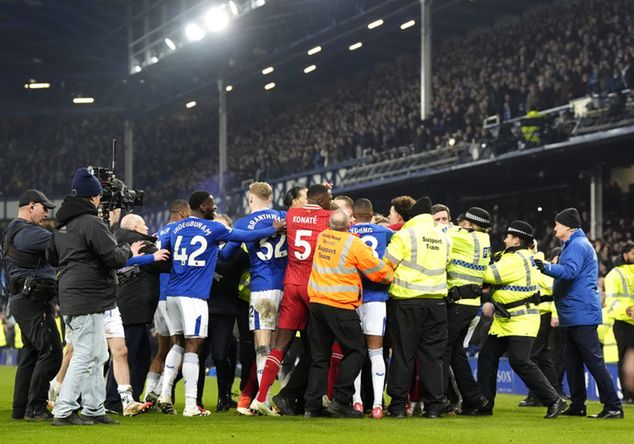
(339, 220)
(134, 222)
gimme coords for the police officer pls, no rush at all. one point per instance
(514, 298)
(619, 291)
(469, 256)
(418, 324)
(31, 284)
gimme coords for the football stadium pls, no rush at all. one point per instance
(317, 221)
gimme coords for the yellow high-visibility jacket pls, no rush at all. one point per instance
(419, 254)
(619, 292)
(513, 278)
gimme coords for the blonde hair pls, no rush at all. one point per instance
(261, 190)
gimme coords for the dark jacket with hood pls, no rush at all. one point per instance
(87, 255)
(137, 297)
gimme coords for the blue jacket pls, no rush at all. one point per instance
(575, 287)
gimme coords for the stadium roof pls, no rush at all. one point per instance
(81, 46)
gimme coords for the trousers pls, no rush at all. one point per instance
(418, 329)
(40, 357)
(85, 372)
(326, 325)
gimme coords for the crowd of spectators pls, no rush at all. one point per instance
(537, 61)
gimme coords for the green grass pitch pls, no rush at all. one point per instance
(509, 424)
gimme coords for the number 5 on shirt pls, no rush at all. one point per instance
(301, 243)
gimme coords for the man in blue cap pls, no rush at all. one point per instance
(87, 255)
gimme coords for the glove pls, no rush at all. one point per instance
(539, 264)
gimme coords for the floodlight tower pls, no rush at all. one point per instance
(425, 58)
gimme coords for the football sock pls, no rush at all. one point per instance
(151, 381)
(251, 386)
(357, 390)
(272, 366)
(125, 392)
(190, 375)
(333, 372)
(159, 386)
(172, 363)
(378, 374)
(261, 354)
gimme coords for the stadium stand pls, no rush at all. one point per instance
(528, 63)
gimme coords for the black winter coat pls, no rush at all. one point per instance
(86, 256)
(137, 298)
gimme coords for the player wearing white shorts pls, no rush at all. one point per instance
(178, 210)
(268, 258)
(194, 244)
(372, 311)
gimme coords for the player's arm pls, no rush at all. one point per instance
(228, 251)
(236, 235)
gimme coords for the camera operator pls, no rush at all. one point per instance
(87, 256)
(31, 285)
(137, 299)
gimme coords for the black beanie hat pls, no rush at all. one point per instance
(521, 229)
(85, 184)
(422, 206)
(478, 216)
(569, 217)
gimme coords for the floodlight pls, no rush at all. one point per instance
(154, 59)
(190, 104)
(408, 24)
(37, 85)
(216, 19)
(83, 100)
(194, 33)
(269, 86)
(314, 50)
(268, 70)
(375, 24)
(355, 46)
(136, 68)
(310, 68)
(259, 3)
(170, 44)
(229, 88)
(233, 8)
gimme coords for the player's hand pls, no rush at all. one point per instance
(279, 225)
(328, 185)
(136, 248)
(554, 322)
(161, 255)
(630, 311)
(488, 309)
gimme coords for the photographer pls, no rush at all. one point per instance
(137, 299)
(87, 256)
(31, 285)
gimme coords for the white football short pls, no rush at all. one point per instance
(187, 316)
(161, 322)
(263, 309)
(373, 317)
(112, 323)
